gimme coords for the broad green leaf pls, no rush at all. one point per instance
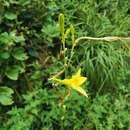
(19, 39)
(5, 100)
(6, 90)
(6, 95)
(19, 54)
(6, 39)
(11, 38)
(10, 15)
(12, 73)
(4, 55)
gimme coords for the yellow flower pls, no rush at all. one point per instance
(75, 82)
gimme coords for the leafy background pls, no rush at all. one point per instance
(30, 53)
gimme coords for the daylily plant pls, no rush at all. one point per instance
(74, 83)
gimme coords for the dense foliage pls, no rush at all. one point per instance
(31, 52)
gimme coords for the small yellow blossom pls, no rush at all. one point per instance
(75, 82)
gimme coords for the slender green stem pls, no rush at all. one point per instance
(71, 54)
(108, 39)
(64, 51)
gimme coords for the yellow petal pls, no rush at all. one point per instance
(66, 82)
(81, 90)
(82, 80)
(75, 82)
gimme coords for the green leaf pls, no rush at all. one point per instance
(6, 39)
(19, 39)
(6, 95)
(12, 72)
(24, 2)
(51, 30)
(4, 55)
(10, 16)
(19, 54)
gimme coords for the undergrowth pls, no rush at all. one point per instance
(33, 49)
